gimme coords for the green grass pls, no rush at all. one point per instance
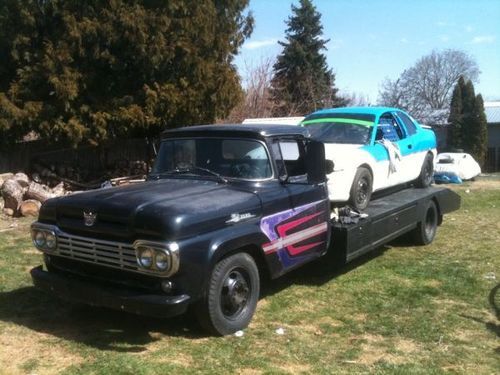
(402, 309)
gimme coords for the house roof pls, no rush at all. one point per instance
(492, 111)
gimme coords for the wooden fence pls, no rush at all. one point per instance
(90, 162)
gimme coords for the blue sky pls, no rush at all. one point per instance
(371, 40)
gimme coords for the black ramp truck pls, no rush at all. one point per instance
(222, 207)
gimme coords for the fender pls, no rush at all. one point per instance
(245, 235)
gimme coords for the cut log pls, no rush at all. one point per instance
(2, 203)
(8, 211)
(58, 190)
(22, 179)
(12, 194)
(30, 207)
(37, 192)
(6, 176)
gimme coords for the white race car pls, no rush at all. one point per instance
(372, 148)
(457, 164)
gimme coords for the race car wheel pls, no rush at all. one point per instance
(425, 178)
(232, 295)
(361, 189)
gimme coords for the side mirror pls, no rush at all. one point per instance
(315, 162)
(329, 166)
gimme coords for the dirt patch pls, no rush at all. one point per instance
(249, 371)
(180, 359)
(375, 348)
(406, 346)
(433, 283)
(36, 348)
(296, 368)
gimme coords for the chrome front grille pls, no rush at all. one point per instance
(106, 253)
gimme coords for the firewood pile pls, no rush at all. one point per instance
(21, 196)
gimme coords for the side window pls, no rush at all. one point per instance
(390, 129)
(409, 124)
(290, 157)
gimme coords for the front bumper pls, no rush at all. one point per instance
(90, 293)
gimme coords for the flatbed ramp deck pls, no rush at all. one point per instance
(390, 217)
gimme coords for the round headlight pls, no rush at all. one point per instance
(146, 257)
(50, 241)
(40, 239)
(161, 261)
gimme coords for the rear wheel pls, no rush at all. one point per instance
(426, 229)
(425, 178)
(361, 189)
(232, 295)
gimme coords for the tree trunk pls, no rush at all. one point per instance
(12, 193)
(37, 192)
(30, 207)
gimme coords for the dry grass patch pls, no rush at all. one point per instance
(40, 350)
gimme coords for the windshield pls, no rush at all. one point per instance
(340, 128)
(231, 158)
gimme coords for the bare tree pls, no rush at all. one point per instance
(256, 84)
(355, 99)
(427, 86)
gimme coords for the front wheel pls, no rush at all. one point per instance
(361, 189)
(232, 295)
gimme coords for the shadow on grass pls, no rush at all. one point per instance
(96, 327)
(318, 272)
(119, 331)
(492, 327)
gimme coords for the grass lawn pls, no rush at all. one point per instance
(399, 310)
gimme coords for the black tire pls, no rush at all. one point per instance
(426, 229)
(361, 189)
(232, 295)
(425, 178)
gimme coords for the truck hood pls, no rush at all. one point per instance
(163, 209)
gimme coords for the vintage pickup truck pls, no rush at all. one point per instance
(224, 207)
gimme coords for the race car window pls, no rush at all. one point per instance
(350, 128)
(391, 129)
(408, 123)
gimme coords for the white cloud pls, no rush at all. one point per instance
(404, 40)
(469, 28)
(483, 39)
(255, 44)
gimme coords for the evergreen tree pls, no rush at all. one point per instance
(477, 141)
(468, 125)
(455, 118)
(86, 71)
(302, 81)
